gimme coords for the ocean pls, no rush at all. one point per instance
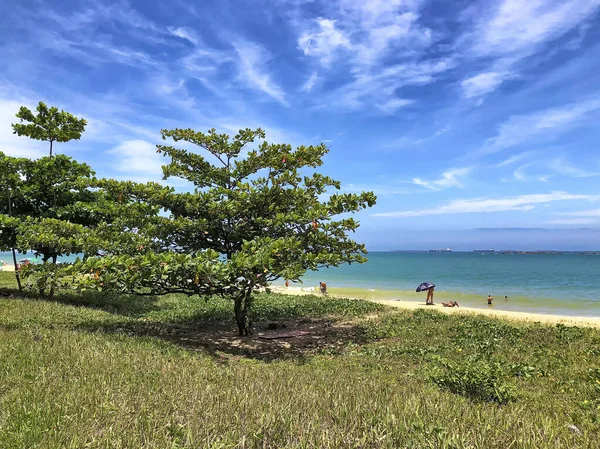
(564, 284)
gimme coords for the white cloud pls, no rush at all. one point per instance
(516, 158)
(584, 213)
(518, 26)
(574, 221)
(392, 105)
(366, 30)
(361, 36)
(481, 84)
(558, 166)
(378, 27)
(310, 82)
(542, 125)
(407, 142)
(184, 33)
(377, 87)
(583, 217)
(565, 168)
(508, 31)
(323, 41)
(480, 205)
(138, 157)
(450, 178)
(520, 174)
(252, 58)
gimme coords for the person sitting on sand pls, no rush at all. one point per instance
(323, 287)
(490, 299)
(450, 304)
(429, 300)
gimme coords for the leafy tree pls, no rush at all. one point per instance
(253, 217)
(10, 180)
(58, 207)
(57, 187)
(49, 125)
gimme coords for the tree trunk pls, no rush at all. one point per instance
(16, 271)
(242, 307)
(238, 308)
(44, 282)
(247, 304)
(12, 249)
(50, 148)
(53, 278)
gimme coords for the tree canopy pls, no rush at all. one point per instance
(253, 216)
(49, 125)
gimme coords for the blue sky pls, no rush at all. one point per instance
(470, 120)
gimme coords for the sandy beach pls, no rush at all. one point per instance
(495, 312)
(415, 304)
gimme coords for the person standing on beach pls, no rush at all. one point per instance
(490, 299)
(323, 287)
(429, 300)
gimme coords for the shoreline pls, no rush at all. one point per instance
(410, 304)
(406, 304)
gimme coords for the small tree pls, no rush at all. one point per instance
(50, 125)
(55, 206)
(57, 187)
(252, 218)
(266, 212)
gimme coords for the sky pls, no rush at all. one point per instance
(476, 123)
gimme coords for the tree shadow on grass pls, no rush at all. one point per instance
(133, 306)
(208, 326)
(220, 341)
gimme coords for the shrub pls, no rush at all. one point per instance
(477, 380)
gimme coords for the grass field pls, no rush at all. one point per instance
(124, 372)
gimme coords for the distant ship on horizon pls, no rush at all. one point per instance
(441, 250)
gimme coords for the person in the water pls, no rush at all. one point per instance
(490, 299)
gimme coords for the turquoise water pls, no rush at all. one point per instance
(567, 284)
(7, 257)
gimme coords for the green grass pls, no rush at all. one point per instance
(120, 372)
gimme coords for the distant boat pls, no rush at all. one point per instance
(483, 251)
(441, 250)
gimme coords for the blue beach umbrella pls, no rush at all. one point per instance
(425, 286)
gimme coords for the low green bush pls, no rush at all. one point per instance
(476, 379)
